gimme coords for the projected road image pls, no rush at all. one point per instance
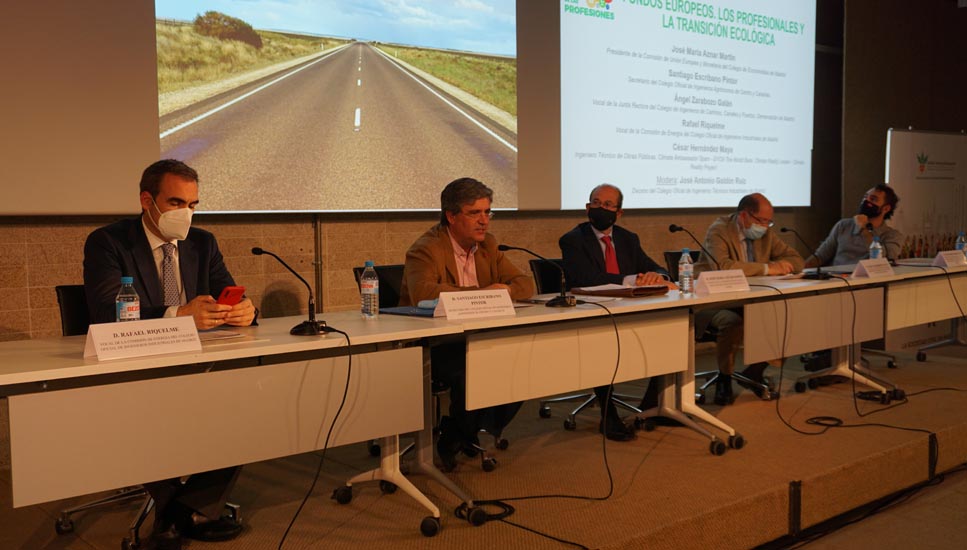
(351, 127)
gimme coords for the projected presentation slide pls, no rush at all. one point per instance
(687, 104)
(321, 105)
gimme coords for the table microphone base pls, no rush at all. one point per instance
(308, 328)
(562, 301)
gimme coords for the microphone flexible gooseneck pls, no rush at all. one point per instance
(673, 228)
(819, 275)
(561, 300)
(306, 328)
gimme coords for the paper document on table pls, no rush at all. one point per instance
(621, 291)
(217, 334)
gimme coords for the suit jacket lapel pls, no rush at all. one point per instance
(188, 262)
(451, 264)
(145, 264)
(594, 248)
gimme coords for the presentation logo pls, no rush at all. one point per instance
(599, 9)
(922, 161)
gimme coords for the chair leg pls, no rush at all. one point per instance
(65, 524)
(133, 540)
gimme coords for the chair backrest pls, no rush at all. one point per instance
(74, 315)
(390, 282)
(546, 276)
(671, 261)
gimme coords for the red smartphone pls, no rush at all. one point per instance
(231, 295)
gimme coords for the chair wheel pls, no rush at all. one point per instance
(736, 441)
(899, 394)
(502, 444)
(343, 495)
(373, 448)
(128, 544)
(891, 364)
(544, 412)
(387, 487)
(700, 398)
(64, 525)
(430, 526)
(800, 387)
(717, 447)
(477, 516)
(813, 383)
(921, 356)
(488, 463)
(648, 424)
(570, 424)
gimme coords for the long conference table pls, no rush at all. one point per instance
(79, 426)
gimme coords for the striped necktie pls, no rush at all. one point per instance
(168, 279)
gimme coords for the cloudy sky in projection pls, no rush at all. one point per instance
(484, 26)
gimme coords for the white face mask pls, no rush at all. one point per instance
(755, 232)
(174, 224)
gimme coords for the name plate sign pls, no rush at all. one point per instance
(950, 258)
(717, 282)
(872, 268)
(140, 338)
(474, 304)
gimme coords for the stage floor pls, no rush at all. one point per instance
(669, 491)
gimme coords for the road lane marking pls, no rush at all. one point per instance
(448, 102)
(205, 115)
(359, 82)
(356, 119)
(360, 69)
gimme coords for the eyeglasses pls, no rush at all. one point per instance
(767, 223)
(607, 205)
(478, 214)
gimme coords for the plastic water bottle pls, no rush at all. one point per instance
(876, 249)
(685, 278)
(127, 304)
(369, 291)
(962, 243)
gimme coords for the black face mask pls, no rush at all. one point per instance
(869, 209)
(602, 218)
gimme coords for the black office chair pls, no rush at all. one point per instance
(74, 320)
(548, 280)
(390, 283)
(763, 391)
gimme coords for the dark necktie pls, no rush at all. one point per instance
(749, 251)
(610, 260)
(168, 279)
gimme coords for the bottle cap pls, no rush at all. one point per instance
(876, 238)
(686, 251)
(127, 280)
(369, 263)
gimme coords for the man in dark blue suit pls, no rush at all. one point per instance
(177, 270)
(598, 252)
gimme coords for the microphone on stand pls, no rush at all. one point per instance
(305, 328)
(819, 275)
(676, 228)
(562, 300)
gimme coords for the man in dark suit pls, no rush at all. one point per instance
(176, 269)
(599, 252)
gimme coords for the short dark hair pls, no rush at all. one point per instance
(891, 198)
(621, 196)
(152, 175)
(750, 203)
(460, 192)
